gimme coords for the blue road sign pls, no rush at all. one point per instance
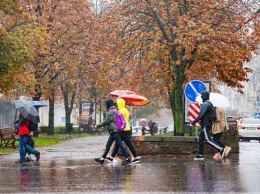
(257, 115)
(193, 89)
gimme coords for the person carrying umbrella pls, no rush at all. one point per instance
(218, 128)
(110, 122)
(125, 134)
(205, 116)
(23, 133)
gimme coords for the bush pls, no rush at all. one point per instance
(59, 130)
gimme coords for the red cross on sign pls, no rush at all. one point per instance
(194, 110)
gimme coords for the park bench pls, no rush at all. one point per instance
(8, 136)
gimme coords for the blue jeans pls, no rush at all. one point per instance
(23, 147)
(115, 137)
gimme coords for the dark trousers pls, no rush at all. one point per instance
(217, 139)
(126, 137)
(205, 136)
(115, 137)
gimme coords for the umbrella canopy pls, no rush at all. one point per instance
(218, 100)
(117, 93)
(28, 110)
(143, 119)
(135, 99)
(37, 104)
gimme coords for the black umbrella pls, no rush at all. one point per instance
(28, 110)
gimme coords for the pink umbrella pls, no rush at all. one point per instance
(117, 93)
(135, 99)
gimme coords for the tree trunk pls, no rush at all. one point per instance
(51, 117)
(171, 97)
(178, 102)
(68, 109)
(36, 98)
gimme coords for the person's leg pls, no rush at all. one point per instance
(212, 143)
(29, 149)
(116, 148)
(127, 141)
(217, 139)
(201, 142)
(22, 143)
(108, 145)
(120, 145)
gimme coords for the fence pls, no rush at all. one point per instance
(7, 113)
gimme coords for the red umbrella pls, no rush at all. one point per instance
(117, 93)
(135, 99)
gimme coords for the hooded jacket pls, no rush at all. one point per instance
(110, 119)
(205, 111)
(122, 109)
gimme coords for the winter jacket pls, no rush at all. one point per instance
(220, 125)
(23, 129)
(205, 115)
(122, 109)
(110, 121)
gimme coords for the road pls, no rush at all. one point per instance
(69, 168)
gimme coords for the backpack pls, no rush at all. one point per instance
(32, 126)
(213, 112)
(120, 120)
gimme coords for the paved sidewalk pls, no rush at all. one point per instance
(69, 167)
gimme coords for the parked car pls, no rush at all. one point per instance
(249, 128)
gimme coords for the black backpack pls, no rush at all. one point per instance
(32, 126)
(213, 112)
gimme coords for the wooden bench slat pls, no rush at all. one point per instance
(8, 136)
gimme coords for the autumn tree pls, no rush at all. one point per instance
(161, 45)
(17, 37)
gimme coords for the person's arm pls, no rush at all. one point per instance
(203, 110)
(110, 116)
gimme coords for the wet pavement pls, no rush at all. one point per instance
(69, 168)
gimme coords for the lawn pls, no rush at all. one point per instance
(44, 141)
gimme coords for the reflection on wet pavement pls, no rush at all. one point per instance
(178, 173)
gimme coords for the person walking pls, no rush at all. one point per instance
(125, 134)
(219, 126)
(23, 133)
(29, 141)
(110, 122)
(205, 116)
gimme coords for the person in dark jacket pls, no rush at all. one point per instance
(205, 116)
(110, 122)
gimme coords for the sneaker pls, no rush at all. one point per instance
(126, 161)
(20, 161)
(199, 157)
(28, 159)
(135, 160)
(38, 156)
(99, 160)
(228, 149)
(109, 159)
(115, 161)
(223, 152)
(217, 156)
